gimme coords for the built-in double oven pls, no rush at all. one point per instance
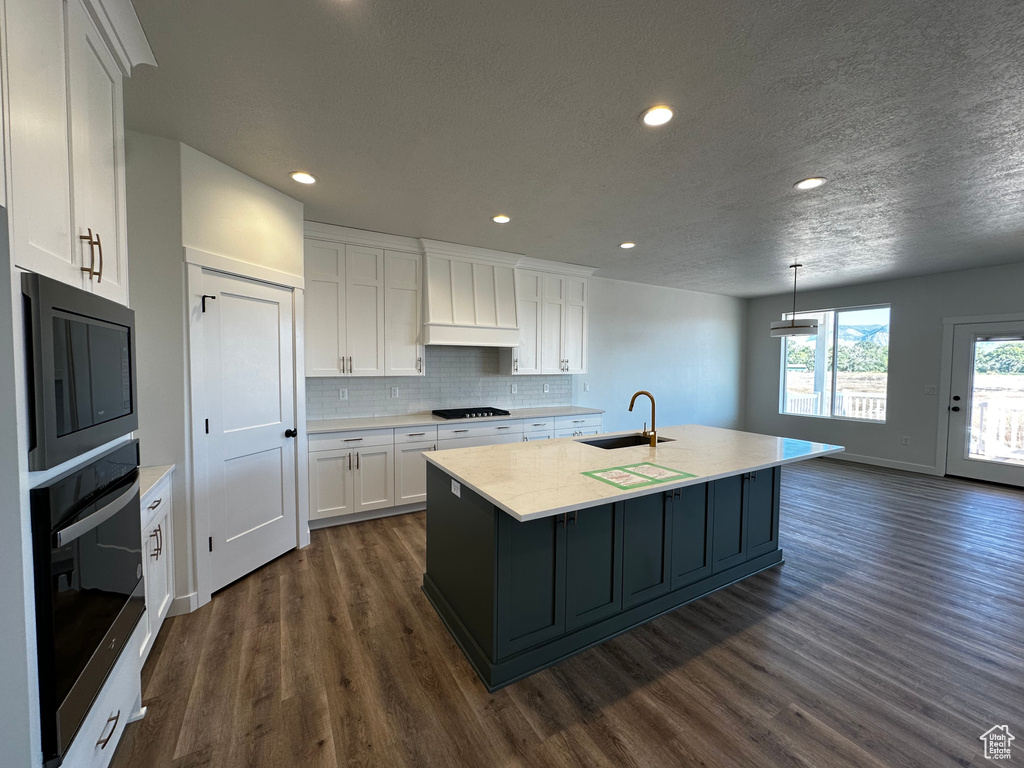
(86, 521)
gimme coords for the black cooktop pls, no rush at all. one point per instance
(469, 413)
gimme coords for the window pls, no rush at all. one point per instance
(842, 371)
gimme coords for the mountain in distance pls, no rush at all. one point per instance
(873, 334)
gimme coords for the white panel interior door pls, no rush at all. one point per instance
(364, 311)
(249, 397)
(325, 309)
(552, 319)
(97, 154)
(403, 324)
(986, 407)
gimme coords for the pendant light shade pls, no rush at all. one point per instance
(794, 326)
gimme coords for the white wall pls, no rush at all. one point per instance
(227, 213)
(157, 294)
(915, 355)
(685, 347)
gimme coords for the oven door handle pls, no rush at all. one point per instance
(73, 531)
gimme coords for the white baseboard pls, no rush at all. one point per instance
(358, 517)
(906, 466)
(184, 604)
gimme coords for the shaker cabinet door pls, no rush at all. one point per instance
(762, 502)
(691, 534)
(593, 565)
(647, 531)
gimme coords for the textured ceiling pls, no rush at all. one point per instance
(425, 118)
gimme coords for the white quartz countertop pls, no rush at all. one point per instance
(427, 418)
(150, 476)
(540, 479)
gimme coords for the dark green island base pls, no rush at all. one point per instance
(521, 596)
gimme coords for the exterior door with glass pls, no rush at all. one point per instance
(986, 406)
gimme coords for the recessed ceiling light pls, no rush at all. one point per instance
(811, 183)
(627, 244)
(657, 115)
(304, 178)
(501, 219)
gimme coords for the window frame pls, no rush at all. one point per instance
(834, 363)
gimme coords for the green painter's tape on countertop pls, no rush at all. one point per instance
(642, 480)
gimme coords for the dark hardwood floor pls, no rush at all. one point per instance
(892, 636)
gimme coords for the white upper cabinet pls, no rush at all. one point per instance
(39, 199)
(344, 309)
(66, 148)
(363, 306)
(553, 324)
(97, 157)
(403, 324)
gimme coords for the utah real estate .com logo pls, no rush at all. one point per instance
(997, 742)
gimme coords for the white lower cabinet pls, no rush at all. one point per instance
(117, 703)
(578, 426)
(351, 472)
(411, 471)
(157, 562)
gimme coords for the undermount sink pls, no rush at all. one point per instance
(622, 441)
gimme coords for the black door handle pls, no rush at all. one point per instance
(291, 433)
(205, 297)
(955, 408)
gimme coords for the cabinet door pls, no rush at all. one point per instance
(529, 292)
(159, 577)
(762, 510)
(411, 472)
(691, 534)
(531, 582)
(403, 326)
(326, 353)
(593, 565)
(646, 548)
(552, 317)
(97, 156)
(364, 310)
(729, 536)
(39, 197)
(330, 483)
(374, 486)
(574, 325)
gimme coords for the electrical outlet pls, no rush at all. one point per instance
(906, 439)
(343, 394)
(394, 391)
(586, 386)
(515, 389)
(931, 389)
(546, 389)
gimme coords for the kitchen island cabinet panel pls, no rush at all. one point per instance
(647, 548)
(531, 582)
(593, 569)
(762, 504)
(730, 539)
(692, 534)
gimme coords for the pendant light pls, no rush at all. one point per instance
(794, 326)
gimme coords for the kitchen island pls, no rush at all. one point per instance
(536, 551)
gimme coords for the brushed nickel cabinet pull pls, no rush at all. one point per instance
(419, 364)
(455, 431)
(416, 434)
(515, 365)
(350, 461)
(350, 363)
(115, 719)
(99, 247)
(357, 459)
(353, 439)
(341, 364)
(91, 269)
(504, 427)
(155, 554)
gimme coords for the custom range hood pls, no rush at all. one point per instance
(469, 296)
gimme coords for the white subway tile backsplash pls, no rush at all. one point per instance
(455, 376)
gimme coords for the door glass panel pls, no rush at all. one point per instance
(997, 401)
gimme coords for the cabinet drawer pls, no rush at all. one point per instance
(539, 425)
(463, 430)
(335, 441)
(415, 434)
(529, 437)
(578, 422)
(156, 503)
(110, 712)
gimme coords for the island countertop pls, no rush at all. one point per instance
(544, 478)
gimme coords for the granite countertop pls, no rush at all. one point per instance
(540, 479)
(150, 476)
(427, 418)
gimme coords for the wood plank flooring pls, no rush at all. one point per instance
(892, 636)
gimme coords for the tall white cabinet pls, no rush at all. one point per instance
(363, 305)
(66, 151)
(553, 324)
